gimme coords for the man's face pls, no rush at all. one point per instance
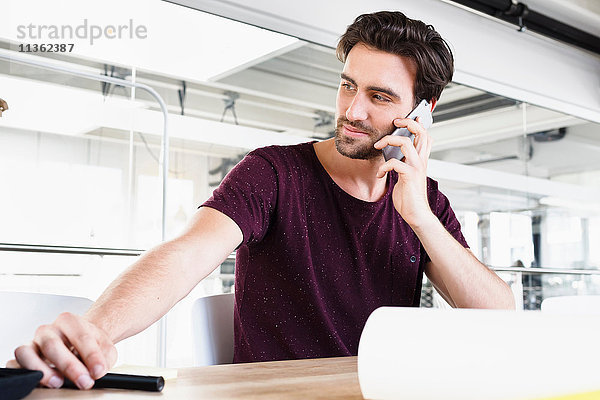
(376, 88)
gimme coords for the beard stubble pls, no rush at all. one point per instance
(358, 148)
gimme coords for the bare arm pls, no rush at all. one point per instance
(137, 298)
(164, 275)
(457, 274)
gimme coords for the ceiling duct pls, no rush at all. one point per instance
(525, 18)
(470, 105)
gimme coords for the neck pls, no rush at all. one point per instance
(357, 177)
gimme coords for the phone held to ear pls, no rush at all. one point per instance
(422, 110)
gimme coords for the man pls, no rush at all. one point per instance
(326, 232)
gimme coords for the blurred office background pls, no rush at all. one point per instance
(517, 153)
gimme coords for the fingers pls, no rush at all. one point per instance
(13, 364)
(405, 144)
(424, 145)
(28, 356)
(420, 145)
(87, 345)
(423, 140)
(427, 151)
(416, 155)
(71, 347)
(412, 125)
(393, 164)
(53, 347)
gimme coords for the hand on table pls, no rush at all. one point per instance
(70, 347)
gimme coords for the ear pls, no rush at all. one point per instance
(433, 103)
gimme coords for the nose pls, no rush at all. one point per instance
(357, 110)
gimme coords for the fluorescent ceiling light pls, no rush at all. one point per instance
(174, 40)
(53, 108)
(46, 107)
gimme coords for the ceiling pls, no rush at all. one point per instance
(472, 127)
(294, 92)
(582, 14)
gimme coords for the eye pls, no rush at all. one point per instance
(379, 97)
(347, 86)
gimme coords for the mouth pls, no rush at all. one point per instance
(349, 131)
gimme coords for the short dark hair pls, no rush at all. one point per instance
(394, 32)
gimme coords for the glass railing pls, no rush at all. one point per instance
(531, 286)
(86, 271)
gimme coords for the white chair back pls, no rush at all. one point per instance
(23, 312)
(572, 305)
(212, 325)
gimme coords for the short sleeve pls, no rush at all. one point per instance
(248, 195)
(440, 205)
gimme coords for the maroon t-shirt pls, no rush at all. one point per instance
(315, 261)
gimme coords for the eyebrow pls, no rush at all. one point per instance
(381, 89)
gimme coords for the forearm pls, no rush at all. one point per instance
(164, 275)
(143, 293)
(454, 269)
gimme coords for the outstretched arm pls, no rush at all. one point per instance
(81, 348)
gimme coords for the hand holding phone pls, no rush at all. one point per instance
(422, 110)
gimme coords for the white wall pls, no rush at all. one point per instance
(490, 55)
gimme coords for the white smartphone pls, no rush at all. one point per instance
(422, 110)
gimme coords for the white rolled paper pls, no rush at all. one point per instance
(427, 354)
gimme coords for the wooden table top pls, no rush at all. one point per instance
(324, 378)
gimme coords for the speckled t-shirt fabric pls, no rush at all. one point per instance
(315, 261)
